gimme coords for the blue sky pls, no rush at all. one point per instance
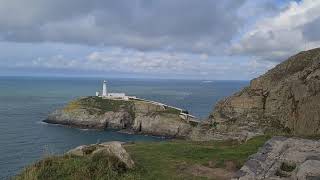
(184, 39)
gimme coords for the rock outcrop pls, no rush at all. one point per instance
(133, 115)
(284, 100)
(113, 148)
(283, 158)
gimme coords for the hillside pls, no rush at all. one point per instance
(285, 100)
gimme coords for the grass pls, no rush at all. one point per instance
(73, 167)
(155, 160)
(98, 105)
(171, 110)
(162, 160)
(167, 110)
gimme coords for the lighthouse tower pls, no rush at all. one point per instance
(104, 89)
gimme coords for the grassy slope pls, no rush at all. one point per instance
(98, 105)
(157, 160)
(162, 160)
(73, 167)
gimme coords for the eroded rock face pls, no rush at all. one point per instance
(283, 158)
(113, 148)
(82, 118)
(133, 115)
(162, 124)
(285, 99)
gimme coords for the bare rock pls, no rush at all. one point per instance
(286, 99)
(283, 158)
(309, 170)
(162, 125)
(83, 118)
(113, 148)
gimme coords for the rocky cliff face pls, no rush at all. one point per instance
(286, 99)
(134, 115)
(283, 158)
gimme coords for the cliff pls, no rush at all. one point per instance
(284, 100)
(136, 115)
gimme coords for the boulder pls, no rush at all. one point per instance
(113, 148)
(283, 158)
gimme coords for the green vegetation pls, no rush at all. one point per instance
(171, 110)
(287, 167)
(155, 160)
(73, 167)
(285, 170)
(214, 124)
(163, 160)
(193, 124)
(98, 105)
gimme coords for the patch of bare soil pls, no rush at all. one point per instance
(212, 172)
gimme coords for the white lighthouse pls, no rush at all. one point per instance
(104, 89)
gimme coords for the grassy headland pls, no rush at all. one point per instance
(99, 105)
(155, 160)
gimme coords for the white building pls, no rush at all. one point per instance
(118, 96)
(107, 95)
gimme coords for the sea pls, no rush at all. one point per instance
(26, 101)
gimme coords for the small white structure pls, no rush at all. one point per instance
(105, 94)
(118, 96)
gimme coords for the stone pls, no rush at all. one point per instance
(82, 150)
(283, 158)
(113, 148)
(162, 125)
(310, 169)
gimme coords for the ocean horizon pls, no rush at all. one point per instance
(26, 101)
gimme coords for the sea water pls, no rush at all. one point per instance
(26, 101)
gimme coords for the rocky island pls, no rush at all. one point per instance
(136, 115)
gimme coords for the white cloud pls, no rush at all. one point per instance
(191, 39)
(156, 64)
(276, 37)
(179, 25)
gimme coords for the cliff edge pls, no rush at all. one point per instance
(286, 99)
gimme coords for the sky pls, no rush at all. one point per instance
(167, 39)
